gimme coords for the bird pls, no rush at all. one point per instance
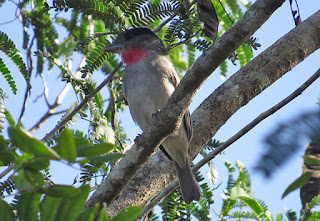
(207, 14)
(149, 79)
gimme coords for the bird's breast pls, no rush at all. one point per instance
(147, 90)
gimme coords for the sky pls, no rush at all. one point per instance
(248, 149)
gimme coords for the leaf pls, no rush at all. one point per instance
(21, 182)
(34, 177)
(6, 74)
(49, 207)
(298, 183)
(103, 215)
(8, 47)
(66, 145)
(28, 206)
(61, 191)
(237, 192)
(6, 155)
(256, 207)
(6, 212)
(28, 144)
(69, 205)
(311, 160)
(128, 214)
(106, 158)
(89, 214)
(37, 163)
(94, 150)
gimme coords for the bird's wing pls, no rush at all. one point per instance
(175, 79)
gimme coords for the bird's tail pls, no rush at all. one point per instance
(190, 189)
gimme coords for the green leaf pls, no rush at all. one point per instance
(49, 207)
(311, 160)
(10, 119)
(6, 155)
(61, 191)
(103, 215)
(6, 212)
(106, 158)
(94, 150)
(280, 217)
(256, 207)
(20, 181)
(71, 207)
(128, 214)
(34, 177)
(298, 183)
(6, 74)
(28, 206)
(237, 192)
(66, 202)
(37, 163)
(89, 214)
(28, 144)
(8, 47)
(66, 146)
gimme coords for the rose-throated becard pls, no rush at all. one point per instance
(149, 79)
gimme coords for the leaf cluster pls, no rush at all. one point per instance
(38, 196)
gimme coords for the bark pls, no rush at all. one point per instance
(244, 85)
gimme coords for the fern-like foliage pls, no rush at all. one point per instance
(8, 47)
(6, 74)
(7, 186)
(95, 58)
(174, 208)
(149, 13)
(2, 110)
(285, 140)
(237, 201)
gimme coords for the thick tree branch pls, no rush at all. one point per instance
(169, 118)
(247, 83)
(233, 139)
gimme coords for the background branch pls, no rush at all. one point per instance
(82, 104)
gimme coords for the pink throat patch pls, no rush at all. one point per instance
(133, 55)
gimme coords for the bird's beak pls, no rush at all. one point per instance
(113, 47)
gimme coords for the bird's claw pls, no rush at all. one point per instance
(155, 114)
(136, 140)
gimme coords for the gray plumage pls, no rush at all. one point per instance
(147, 86)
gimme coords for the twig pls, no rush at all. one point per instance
(155, 201)
(82, 104)
(52, 108)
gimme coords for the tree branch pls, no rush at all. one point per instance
(170, 116)
(247, 83)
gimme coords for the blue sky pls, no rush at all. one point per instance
(247, 149)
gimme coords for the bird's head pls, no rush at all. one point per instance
(136, 44)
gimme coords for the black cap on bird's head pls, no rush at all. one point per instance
(143, 38)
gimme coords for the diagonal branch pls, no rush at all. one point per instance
(170, 116)
(233, 139)
(237, 91)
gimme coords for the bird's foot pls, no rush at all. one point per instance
(136, 140)
(156, 114)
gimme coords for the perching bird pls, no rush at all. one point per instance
(149, 79)
(207, 14)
